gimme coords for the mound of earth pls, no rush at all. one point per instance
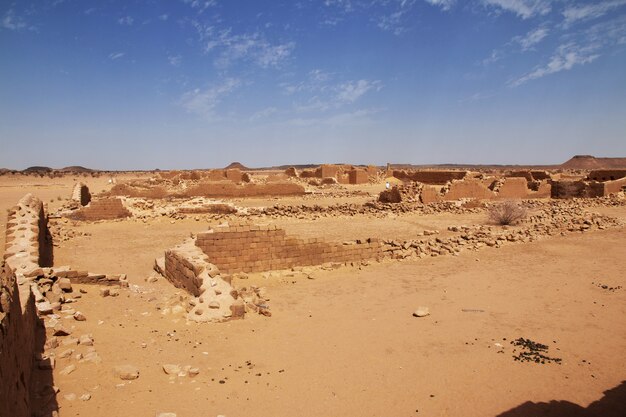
(75, 168)
(237, 165)
(38, 169)
(588, 162)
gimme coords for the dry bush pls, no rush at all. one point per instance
(507, 213)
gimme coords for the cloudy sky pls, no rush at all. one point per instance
(200, 83)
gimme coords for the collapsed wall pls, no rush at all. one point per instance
(439, 177)
(469, 188)
(253, 248)
(26, 246)
(102, 209)
(208, 188)
(187, 267)
(81, 194)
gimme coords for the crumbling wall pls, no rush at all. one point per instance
(358, 176)
(103, 209)
(326, 171)
(439, 177)
(18, 325)
(576, 189)
(611, 187)
(252, 248)
(27, 242)
(186, 266)
(81, 194)
(468, 188)
(229, 189)
(603, 175)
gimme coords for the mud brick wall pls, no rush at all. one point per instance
(104, 209)
(81, 194)
(326, 171)
(182, 271)
(358, 176)
(252, 248)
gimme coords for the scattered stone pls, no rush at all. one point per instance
(68, 370)
(85, 397)
(86, 340)
(104, 292)
(214, 304)
(193, 372)
(78, 316)
(171, 369)
(126, 372)
(59, 330)
(70, 397)
(114, 292)
(166, 415)
(421, 312)
(65, 284)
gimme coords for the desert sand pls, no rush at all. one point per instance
(343, 340)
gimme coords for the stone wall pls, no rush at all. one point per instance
(576, 189)
(229, 189)
(27, 245)
(187, 267)
(607, 175)
(81, 194)
(103, 209)
(430, 176)
(252, 248)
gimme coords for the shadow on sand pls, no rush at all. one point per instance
(612, 404)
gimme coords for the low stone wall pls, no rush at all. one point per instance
(81, 194)
(230, 189)
(215, 300)
(251, 248)
(607, 174)
(18, 325)
(27, 245)
(576, 189)
(103, 209)
(430, 176)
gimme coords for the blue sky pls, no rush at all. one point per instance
(200, 83)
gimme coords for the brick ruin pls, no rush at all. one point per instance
(81, 194)
(202, 265)
(27, 245)
(30, 289)
(467, 188)
(341, 174)
(599, 183)
(254, 248)
(102, 209)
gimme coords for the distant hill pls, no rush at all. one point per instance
(237, 165)
(38, 170)
(75, 168)
(588, 162)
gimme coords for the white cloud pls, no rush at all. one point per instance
(116, 55)
(252, 47)
(263, 114)
(200, 5)
(495, 56)
(351, 91)
(126, 20)
(565, 58)
(444, 4)
(576, 13)
(12, 22)
(532, 38)
(523, 8)
(164, 17)
(174, 60)
(205, 102)
(89, 11)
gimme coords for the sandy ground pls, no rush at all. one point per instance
(346, 343)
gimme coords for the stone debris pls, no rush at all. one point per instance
(126, 372)
(421, 312)
(68, 370)
(78, 316)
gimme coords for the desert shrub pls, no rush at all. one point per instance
(507, 213)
